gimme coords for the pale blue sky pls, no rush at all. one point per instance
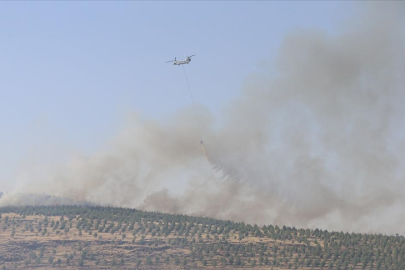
(70, 71)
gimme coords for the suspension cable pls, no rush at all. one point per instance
(196, 117)
(191, 94)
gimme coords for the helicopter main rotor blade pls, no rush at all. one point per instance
(191, 55)
(169, 61)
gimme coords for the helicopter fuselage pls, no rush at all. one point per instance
(178, 63)
(181, 62)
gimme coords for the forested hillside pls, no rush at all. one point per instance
(74, 237)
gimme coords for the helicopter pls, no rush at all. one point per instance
(181, 62)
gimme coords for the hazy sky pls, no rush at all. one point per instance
(70, 72)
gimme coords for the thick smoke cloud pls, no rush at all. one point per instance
(315, 141)
(39, 199)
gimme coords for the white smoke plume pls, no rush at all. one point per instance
(20, 199)
(315, 141)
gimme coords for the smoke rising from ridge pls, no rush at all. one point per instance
(315, 142)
